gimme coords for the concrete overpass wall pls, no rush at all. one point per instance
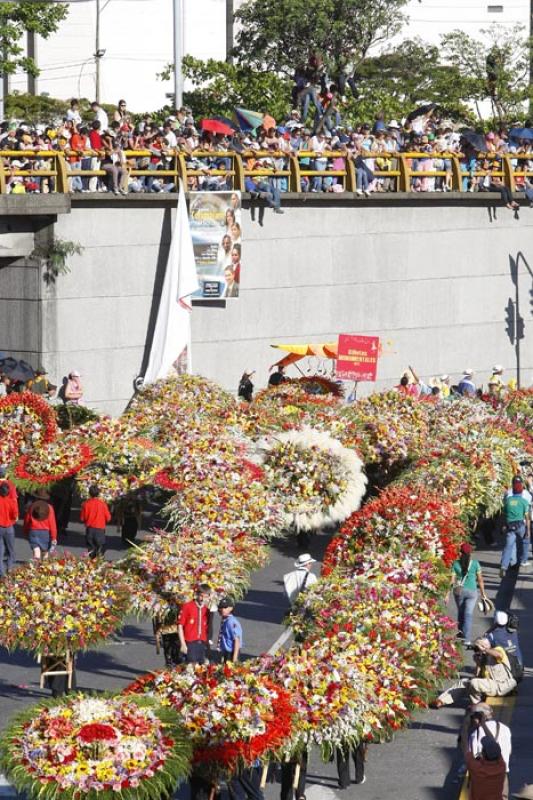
(430, 276)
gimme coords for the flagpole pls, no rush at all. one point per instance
(178, 53)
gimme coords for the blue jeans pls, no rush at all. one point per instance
(516, 545)
(362, 181)
(305, 97)
(7, 546)
(41, 539)
(465, 600)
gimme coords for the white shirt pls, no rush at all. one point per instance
(170, 139)
(503, 739)
(296, 581)
(102, 118)
(74, 116)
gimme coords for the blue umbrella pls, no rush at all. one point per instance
(521, 133)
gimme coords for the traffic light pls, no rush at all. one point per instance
(510, 321)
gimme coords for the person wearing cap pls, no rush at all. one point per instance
(496, 377)
(40, 383)
(467, 577)
(500, 635)
(40, 528)
(466, 386)
(95, 515)
(493, 677)
(194, 624)
(230, 639)
(483, 712)
(9, 512)
(301, 578)
(73, 388)
(516, 508)
(487, 770)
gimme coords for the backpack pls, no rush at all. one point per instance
(515, 667)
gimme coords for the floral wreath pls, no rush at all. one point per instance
(41, 427)
(55, 462)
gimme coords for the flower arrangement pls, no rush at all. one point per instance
(52, 462)
(519, 407)
(224, 563)
(59, 604)
(26, 422)
(401, 519)
(286, 407)
(319, 481)
(232, 714)
(96, 748)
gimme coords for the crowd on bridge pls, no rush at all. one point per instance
(314, 131)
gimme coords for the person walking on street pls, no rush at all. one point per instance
(480, 713)
(95, 515)
(41, 528)
(230, 636)
(9, 484)
(8, 516)
(517, 523)
(467, 576)
(343, 764)
(301, 578)
(194, 624)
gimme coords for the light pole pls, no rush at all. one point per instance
(96, 52)
(230, 12)
(178, 53)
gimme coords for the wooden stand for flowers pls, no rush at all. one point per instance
(56, 665)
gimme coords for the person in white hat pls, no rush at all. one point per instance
(73, 388)
(504, 634)
(301, 578)
(467, 387)
(496, 384)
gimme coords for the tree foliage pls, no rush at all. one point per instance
(495, 68)
(219, 86)
(280, 36)
(18, 18)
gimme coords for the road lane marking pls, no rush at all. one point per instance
(280, 641)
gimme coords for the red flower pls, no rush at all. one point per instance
(97, 732)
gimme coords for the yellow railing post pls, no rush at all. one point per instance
(350, 180)
(508, 173)
(238, 168)
(404, 184)
(62, 177)
(3, 189)
(295, 179)
(457, 175)
(182, 170)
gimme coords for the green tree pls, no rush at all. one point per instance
(18, 18)
(280, 36)
(494, 68)
(398, 80)
(218, 87)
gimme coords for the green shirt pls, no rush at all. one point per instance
(470, 582)
(516, 508)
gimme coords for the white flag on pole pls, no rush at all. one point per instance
(171, 345)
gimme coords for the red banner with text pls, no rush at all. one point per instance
(357, 357)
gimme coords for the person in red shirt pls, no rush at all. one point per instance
(9, 512)
(12, 490)
(40, 527)
(95, 515)
(194, 624)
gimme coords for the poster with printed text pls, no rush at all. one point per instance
(215, 220)
(357, 357)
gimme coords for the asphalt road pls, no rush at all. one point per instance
(421, 762)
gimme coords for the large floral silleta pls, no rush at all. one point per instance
(318, 481)
(95, 748)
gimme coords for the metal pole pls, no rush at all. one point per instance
(97, 52)
(2, 115)
(178, 53)
(32, 53)
(229, 30)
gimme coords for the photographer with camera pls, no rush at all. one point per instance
(493, 677)
(487, 769)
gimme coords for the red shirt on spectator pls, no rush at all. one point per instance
(195, 621)
(9, 511)
(48, 524)
(95, 139)
(95, 513)
(12, 490)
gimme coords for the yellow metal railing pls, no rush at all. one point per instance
(54, 170)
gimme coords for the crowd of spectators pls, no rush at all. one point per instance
(314, 130)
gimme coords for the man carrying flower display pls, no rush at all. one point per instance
(40, 527)
(230, 635)
(8, 483)
(194, 623)
(516, 506)
(8, 516)
(95, 514)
